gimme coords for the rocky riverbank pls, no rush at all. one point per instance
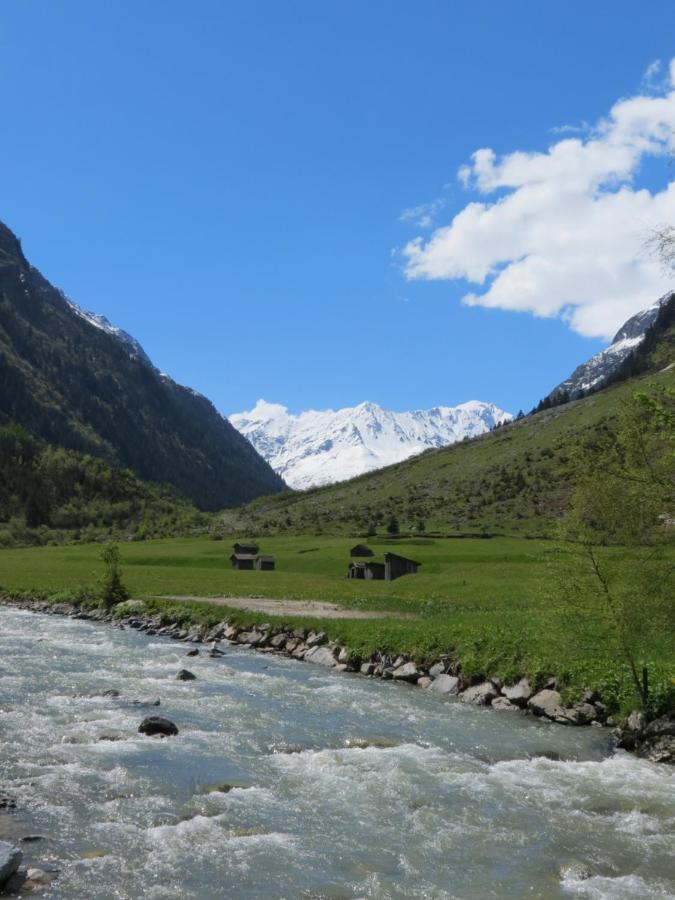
(653, 740)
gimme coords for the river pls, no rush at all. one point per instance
(447, 801)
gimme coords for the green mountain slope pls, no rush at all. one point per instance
(516, 480)
(78, 386)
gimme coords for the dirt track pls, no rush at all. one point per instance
(317, 608)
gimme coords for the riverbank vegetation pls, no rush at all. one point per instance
(486, 602)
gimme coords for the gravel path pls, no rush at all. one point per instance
(317, 608)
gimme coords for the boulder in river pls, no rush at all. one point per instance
(185, 675)
(193, 652)
(10, 860)
(518, 693)
(445, 684)
(152, 725)
(547, 703)
(407, 671)
(503, 704)
(322, 656)
(480, 694)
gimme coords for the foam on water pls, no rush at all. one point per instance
(330, 785)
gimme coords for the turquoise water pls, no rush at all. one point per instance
(448, 801)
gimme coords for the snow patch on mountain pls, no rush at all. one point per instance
(595, 371)
(99, 321)
(323, 446)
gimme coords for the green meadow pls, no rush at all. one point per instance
(486, 602)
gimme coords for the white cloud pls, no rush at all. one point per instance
(561, 233)
(423, 215)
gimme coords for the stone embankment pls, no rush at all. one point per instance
(654, 740)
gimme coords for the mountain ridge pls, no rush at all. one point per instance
(596, 371)
(74, 380)
(318, 447)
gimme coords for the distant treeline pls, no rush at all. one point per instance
(50, 495)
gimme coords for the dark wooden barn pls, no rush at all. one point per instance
(245, 549)
(370, 571)
(361, 550)
(242, 560)
(395, 566)
(265, 563)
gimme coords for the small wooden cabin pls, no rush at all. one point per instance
(370, 571)
(245, 549)
(265, 563)
(242, 560)
(395, 566)
(361, 550)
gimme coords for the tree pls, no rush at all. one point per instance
(614, 579)
(112, 589)
(392, 526)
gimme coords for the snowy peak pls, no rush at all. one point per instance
(322, 446)
(594, 372)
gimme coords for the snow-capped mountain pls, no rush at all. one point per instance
(595, 371)
(321, 446)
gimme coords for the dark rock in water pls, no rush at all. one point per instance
(146, 701)
(7, 804)
(111, 693)
(32, 838)
(185, 675)
(224, 787)
(518, 693)
(661, 727)
(194, 652)
(659, 750)
(152, 725)
(10, 860)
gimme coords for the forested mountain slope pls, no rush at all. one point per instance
(74, 381)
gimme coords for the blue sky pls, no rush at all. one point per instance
(228, 182)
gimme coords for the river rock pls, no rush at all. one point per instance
(291, 644)
(10, 860)
(518, 693)
(425, 681)
(406, 672)
(575, 871)
(152, 725)
(193, 652)
(230, 632)
(185, 675)
(300, 650)
(547, 703)
(503, 704)
(36, 879)
(437, 669)
(480, 694)
(315, 638)
(367, 668)
(321, 656)
(445, 684)
(659, 750)
(278, 641)
(661, 727)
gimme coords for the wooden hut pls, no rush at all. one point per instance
(370, 571)
(361, 550)
(395, 566)
(245, 549)
(242, 560)
(265, 563)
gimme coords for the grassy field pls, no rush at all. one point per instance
(486, 601)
